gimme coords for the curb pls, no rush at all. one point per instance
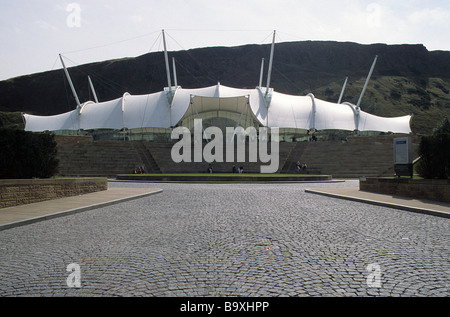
(432, 212)
(217, 178)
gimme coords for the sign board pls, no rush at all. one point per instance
(403, 157)
(403, 151)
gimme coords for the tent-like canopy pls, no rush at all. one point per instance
(167, 109)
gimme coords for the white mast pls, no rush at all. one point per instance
(167, 63)
(174, 72)
(270, 62)
(261, 73)
(92, 89)
(70, 82)
(367, 81)
(343, 89)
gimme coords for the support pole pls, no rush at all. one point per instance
(169, 82)
(270, 63)
(312, 124)
(342, 91)
(70, 82)
(367, 81)
(261, 73)
(92, 89)
(174, 72)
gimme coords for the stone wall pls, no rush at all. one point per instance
(14, 192)
(431, 189)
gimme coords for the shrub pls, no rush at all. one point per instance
(27, 155)
(329, 92)
(11, 120)
(435, 153)
(396, 94)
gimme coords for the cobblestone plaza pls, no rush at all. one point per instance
(216, 240)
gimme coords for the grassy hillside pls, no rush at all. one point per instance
(407, 78)
(391, 96)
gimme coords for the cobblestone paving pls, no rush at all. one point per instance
(230, 240)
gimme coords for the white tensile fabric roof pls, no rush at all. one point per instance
(155, 111)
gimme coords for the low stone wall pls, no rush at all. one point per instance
(431, 189)
(15, 192)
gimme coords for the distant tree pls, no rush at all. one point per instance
(27, 155)
(435, 152)
(443, 126)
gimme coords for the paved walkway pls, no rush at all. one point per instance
(25, 214)
(398, 202)
(30, 213)
(227, 240)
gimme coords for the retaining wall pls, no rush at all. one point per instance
(431, 189)
(15, 192)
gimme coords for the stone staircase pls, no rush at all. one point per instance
(97, 159)
(293, 157)
(357, 157)
(146, 158)
(162, 155)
